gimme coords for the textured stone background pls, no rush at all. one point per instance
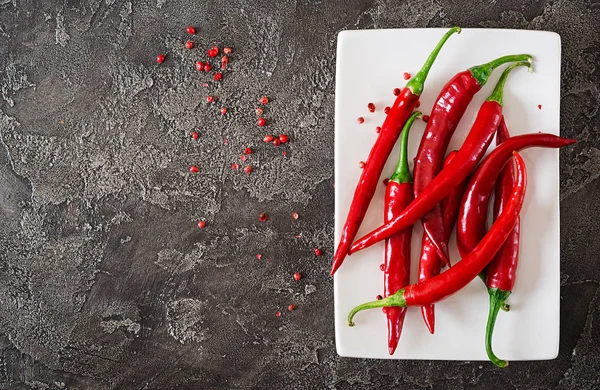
(105, 280)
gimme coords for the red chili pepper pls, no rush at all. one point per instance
(473, 209)
(501, 272)
(430, 263)
(391, 128)
(449, 282)
(477, 141)
(396, 266)
(447, 111)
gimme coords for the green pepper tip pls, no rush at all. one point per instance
(416, 84)
(402, 173)
(497, 94)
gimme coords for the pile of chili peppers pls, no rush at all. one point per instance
(447, 191)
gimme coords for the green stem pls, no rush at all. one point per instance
(497, 298)
(497, 94)
(482, 73)
(396, 300)
(417, 83)
(483, 277)
(402, 173)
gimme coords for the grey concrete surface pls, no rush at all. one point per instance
(105, 280)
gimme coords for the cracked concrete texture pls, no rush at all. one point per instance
(105, 280)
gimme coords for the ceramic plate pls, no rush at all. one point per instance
(370, 64)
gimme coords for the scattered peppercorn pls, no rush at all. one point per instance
(248, 169)
(297, 276)
(295, 215)
(227, 50)
(425, 118)
(194, 135)
(243, 158)
(261, 122)
(213, 52)
(278, 314)
(361, 164)
(258, 111)
(258, 256)
(201, 224)
(406, 75)
(292, 307)
(381, 267)
(263, 100)
(378, 129)
(397, 91)
(189, 45)
(160, 58)
(207, 67)
(223, 110)
(284, 138)
(191, 30)
(224, 62)
(276, 142)
(263, 217)
(539, 106)
(247, 151)
(268, 138)
(218, 76)
(318, 252)
(194, 169)
(210, 99)
(379, 297)
(200, 66)
(371, 107)
(386, 181)
(386, 110)
(360, 120)
(235, 166)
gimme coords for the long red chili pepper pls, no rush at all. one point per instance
(447, 111)
(396, 272)
(501, 272)
(479, 138)
(472, 214)
(449, 282)
(390, 131)
(430, 263)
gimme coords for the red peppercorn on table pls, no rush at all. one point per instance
(530, 331)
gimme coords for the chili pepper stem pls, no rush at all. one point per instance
(402, 173)
(396, 300)
(497, 94)
(417, 83)
(497, 299)
(482, 73)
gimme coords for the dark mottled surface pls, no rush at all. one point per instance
(105, 280)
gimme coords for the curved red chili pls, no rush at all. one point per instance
(447, 111)
(390, 131)
(449, 282)
(479, 138)
(501, 272)
(470, 226)
(430, 263)
(396, 266)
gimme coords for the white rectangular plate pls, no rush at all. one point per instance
(370, 64)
